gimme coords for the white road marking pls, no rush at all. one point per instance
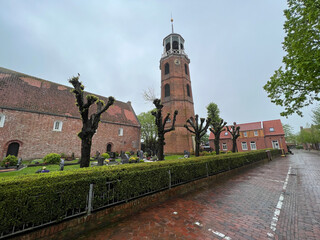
(272, 180)
(277, 211)
(219, 234)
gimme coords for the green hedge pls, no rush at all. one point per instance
(40, 198)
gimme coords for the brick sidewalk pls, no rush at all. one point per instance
(278, 200)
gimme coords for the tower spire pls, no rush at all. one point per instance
(171, 22)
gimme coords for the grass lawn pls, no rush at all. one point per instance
(174, 157)
(31, 170)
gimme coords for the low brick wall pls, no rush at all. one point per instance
(69, 229)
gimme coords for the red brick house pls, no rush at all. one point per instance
(38, 117)
(254, 136)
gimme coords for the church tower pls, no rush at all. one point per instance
(176, 93)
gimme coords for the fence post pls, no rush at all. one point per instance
(207, 169)
(90, 199)
(169, 179)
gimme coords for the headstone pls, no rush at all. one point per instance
(61, 164)
(112, 155)
(186, 154)
(19, 163)
(100, 161)
(124, 158)
(140, 155)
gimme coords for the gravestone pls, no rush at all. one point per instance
(61, 164)
(186, 154)
(112, 155)
(124, 158)
(19, 163)
(140, 155)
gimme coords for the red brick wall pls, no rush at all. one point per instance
(35, 134)
(180, 139)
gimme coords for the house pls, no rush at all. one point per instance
(38, 117)
(253, 136)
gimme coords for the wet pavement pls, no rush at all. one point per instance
(277, 200)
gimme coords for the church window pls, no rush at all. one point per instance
(166, 68)
(186, 69)
(2, 119)
(188, 90)
(57, 126)
(120, 132)
(181, 46)
(175, 45)
(167, 90)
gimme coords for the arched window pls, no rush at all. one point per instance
(175, 45)
(168, 46)
(181, 46)
(13, 149)
(188, 90)
(166, 68)
(186, 69)
(109, 147)
(166, 90)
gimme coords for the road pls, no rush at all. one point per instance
(277, 200)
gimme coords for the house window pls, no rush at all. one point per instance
(271, 129)
(244, 146)
(120, 132)
(224, 147)
(245, 134)
(253, 146)
(57, 126)
(255, 133)
(2, 118)
(275, 144)
(168, 120)
(226, 133)
(188, 90)
(186, 69)
(166, 68)
(166, 90)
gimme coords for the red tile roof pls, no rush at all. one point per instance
(22, 92)
(273, 124)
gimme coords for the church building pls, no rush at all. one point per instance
(38, 117)
(176, 92)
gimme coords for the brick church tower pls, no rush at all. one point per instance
(176, 93)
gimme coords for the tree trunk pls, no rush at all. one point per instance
(197, 153)
(216, 146)
(85, 152)
(160, 150)
(234, 145)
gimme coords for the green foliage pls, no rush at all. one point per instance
(11, 159)
(128, 153)
(316, 116)
(298, 83)
(309, 135)
(105, 155)
(133, 159)
(288, 133)
(52, 158)
(213, 113)
(40, 198)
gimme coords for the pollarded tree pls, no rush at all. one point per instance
(198, 131)
(160, 123)
(298, 83)
(216, 129)
(89, 122)
(234, 130)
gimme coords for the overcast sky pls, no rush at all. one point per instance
(234, 47)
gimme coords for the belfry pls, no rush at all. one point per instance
(176, 92)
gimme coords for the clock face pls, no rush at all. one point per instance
(177, 61)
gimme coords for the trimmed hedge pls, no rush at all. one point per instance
(41, 198)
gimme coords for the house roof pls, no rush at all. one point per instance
(274, 125)
(23, 92)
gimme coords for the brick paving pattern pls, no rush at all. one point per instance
(266, 202)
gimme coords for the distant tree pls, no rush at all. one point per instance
(217, 124)
(234, 130)
(89, 123)
(204, 139)
(316, 116)
(288, 133)
(148, 130)
(310, 135)
(160, 123)
(198, 131)
(149, 95)
(298, 84)
(216, 129)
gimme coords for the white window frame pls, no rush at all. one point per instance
(271, 129)
(255, 133)
(245, 134)
(244, 144)
(2, 119)
(120, 132)
(253, 145)
(224, 146)
(274, 142)
(59, 129)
